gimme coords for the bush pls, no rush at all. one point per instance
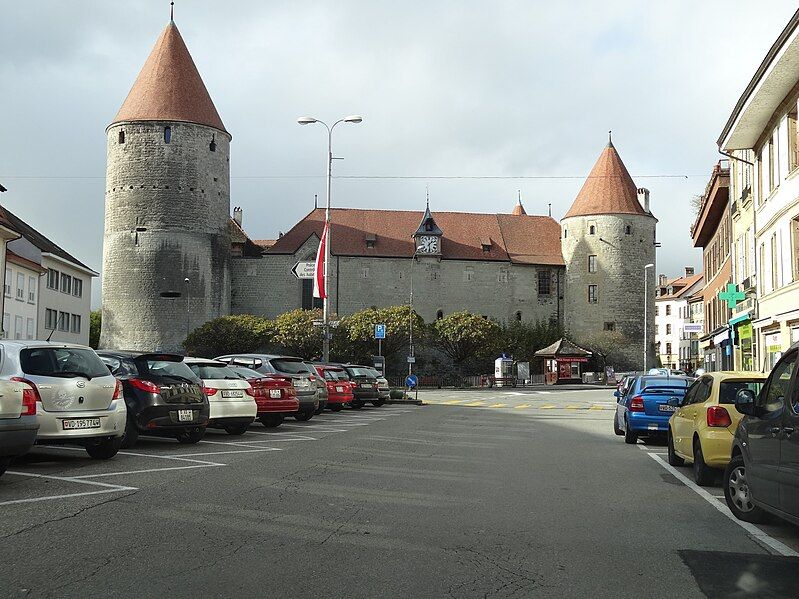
(95, 324)
(241, 333)
(297, 335)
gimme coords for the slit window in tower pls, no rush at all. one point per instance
(212, 145)
(592, 230)
(167, 134)
(518, 316)
(121, 137)
(628, 230)
(439, 315)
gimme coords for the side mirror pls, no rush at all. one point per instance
(745, 402)
(675, 402)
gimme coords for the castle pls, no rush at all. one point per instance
(173, 257)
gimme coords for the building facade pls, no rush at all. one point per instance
(672, 312)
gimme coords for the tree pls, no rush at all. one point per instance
(522, 339)
(464, 336)
(355, 337)
(241, 333)
(95, 324)
(296, 334)
(608, 349)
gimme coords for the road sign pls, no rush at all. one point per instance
(304, 270)
(380, 331)
(692, 327)
(411, 360)
(411, 381)
(332, 324)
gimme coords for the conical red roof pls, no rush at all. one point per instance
(518, 209)
(169, 87)
(609, 189)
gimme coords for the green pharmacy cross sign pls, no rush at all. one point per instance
(732, 296)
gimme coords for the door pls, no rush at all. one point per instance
(789, 450)
(764, 434)
(683, 423)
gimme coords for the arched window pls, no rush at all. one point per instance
(167, 134)
(212, 145)
(592, 230)
(121, 137)
(439, 315)
(519, 316)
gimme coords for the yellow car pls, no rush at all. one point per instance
(704, 422)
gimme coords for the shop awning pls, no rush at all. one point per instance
(737, 319)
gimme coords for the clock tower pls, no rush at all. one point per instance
(427, 237)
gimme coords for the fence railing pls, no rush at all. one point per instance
(456, 381)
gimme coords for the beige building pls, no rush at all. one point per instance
(672, 312)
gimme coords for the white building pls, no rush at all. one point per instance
(672, 311)
(21, 295)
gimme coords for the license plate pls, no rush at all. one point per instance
(274, 393)
(366, 386)
(664, 407)
(339, 389)
(185, 415)
(228, 393)
(80, 423)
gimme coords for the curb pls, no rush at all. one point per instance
(410, 402)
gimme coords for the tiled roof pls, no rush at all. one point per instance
(265, 243)
(169, 87)
(563, 347)
(609, 189)
(518, 209)
(681, 284)
(520, 239)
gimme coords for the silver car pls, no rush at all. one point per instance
(383, 388)
(78, 400)
(231, 398)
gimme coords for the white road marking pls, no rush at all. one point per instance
(764, 538)
(147, 470)
(107, 488)
(48, 497)
(240, 451)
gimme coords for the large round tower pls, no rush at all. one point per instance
(608, 237)
(167, 207)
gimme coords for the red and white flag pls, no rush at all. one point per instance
(319, 273)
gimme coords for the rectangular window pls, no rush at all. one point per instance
(18, 327)
(609, 326)
(30, 333)
(31, 290)
(468, 275)
(592, 263)
(76, 323)
(502, 276)
(668, 329)
(77, 287)
(6, 324)
(795, 247)
(50, 319)
(52, 278)
(774, 261)
(66, 283)
(63, 321)
(309, 302)
(544, 282)
(657, 310)
(792, 149)
(20, 286)
(7, 287)
(668, 348)
(668, 309)
(592, 294)
(771, 172)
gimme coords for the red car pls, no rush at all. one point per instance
(339, 386)
(274, 395)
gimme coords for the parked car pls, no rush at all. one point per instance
(364, 385)
(18, 425)
(702, 429)
(383, 388)
(230, 397)
(321, 387)
(163, 396)
(288, 366)
(763, 474)
(624, 384)
(77, 400)
(339, 386)
(644, 410)
(275, 396)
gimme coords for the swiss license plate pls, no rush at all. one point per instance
(339, 389)
(236, 393)
(274, 393)
(366, 386)
(664, 407)
(80, 423)
(185, 415)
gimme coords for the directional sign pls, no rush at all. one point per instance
(304, 270)
(411, 360)
(380, 331)
(692, 327)
(411, 381)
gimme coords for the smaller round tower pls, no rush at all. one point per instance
(608, 237)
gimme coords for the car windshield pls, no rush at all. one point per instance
(170, 369)
(213, 371)
(729, 389)
(289, 366)
(62, 362)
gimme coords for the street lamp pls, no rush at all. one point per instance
(307, 120)
(646, 305)
(410, 312)
(188, 313)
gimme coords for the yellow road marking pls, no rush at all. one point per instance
(572, 407)
(520, 406)
(474, 404)
(452, 402)
(547, 407)
(498, 405)
(597, 408)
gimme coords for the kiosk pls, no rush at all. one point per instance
(563, 362)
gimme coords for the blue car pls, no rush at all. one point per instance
(644, 410)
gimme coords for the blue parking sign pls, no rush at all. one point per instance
(380, 331)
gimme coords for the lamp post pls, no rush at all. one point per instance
(646, 305)
(188, 313)
(410, 313)
(307, 120)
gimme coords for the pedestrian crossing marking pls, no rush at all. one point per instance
(520, 406)
(498, 405)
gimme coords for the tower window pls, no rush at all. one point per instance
(121, 137)
(628, 230)
(592, 294)
(212, 145)
(609, 326)
(565, 233)
(519, 316)
(592, 263)
(439, 315)
(592, 230)
(167, 134)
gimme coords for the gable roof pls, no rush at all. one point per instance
(681, 287)
(563, 347)
(169, 87)
(609, 189)
(518, 239)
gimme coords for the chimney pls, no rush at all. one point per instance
(238, 213)
(662, 280)
(643, 198)
(689, 271)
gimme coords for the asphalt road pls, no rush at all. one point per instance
(528, 494)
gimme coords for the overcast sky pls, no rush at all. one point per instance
(501, 88)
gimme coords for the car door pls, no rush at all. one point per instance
(789, 448)
(621, 404)
(682, 421)
(764, 434)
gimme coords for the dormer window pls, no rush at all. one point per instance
(485, 242)
(371, 240)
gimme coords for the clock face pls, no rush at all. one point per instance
(428, 244)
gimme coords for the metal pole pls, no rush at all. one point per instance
(410, 317)
(188, 313)
(646, 305)
(325, 314)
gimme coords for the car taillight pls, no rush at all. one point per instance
(718, 416)
(118, 390)
(249, 391)
(146, 386)
(30, 395)
(637, 404)
(209, 391)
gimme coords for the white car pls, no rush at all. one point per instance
(231, 398)
(18, 423)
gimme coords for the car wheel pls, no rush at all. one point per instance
(238, 429)
(703, 474)
(630, 437)
(378, 403)
(736, 492)
(105, 449)
(336, 407)
(271, 420)
(4, 462)
(131, 433)
(190, 437)
(674, 459)
(319, 410)
(303, 416)
(616, 428)
(356, 405)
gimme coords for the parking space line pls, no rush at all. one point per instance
(146, 471)
(106, 488)
(240, 451)
(65, 496)
(453, 402)
(759, 535)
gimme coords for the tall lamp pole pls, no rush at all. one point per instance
(646, 306)
(188, 312)
(410, 314)
(307, 120)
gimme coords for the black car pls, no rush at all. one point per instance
(763, 474)
(162, 394)
(288, 366)
(365, 388)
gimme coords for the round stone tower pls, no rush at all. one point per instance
(167, 207)
(608, 237)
